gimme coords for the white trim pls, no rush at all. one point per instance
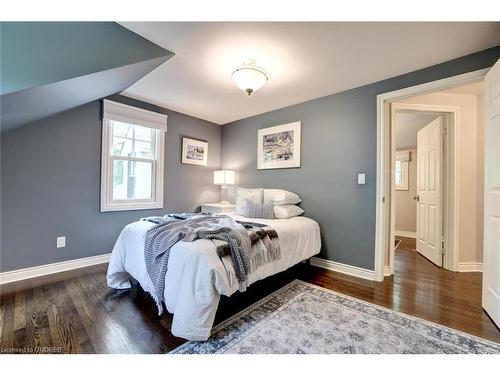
(387, 271)
(48, 269)
(125, 113)
(403, 155)
(470, 267)
(403, 233)
(382, 139)
(156, 201)
(343, 268)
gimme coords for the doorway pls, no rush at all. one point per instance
(422, 137)
(423, 187)
(447, 234)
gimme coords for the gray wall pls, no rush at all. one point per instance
(22, 107)
(50, 184)
(37, 53)
(50, 172)
(339, 139)
(41, 62)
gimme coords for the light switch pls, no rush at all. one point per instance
(361, 178)
(60, 242)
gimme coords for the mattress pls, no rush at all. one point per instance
(197, 277)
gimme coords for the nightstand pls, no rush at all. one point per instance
(217, 208)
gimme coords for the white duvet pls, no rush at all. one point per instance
(197, 277)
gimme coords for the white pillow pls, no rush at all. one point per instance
(280, 197)
(254, 195)
(287, 211)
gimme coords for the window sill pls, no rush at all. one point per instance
(131, 207)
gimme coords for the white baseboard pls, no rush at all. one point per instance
(47, 269)
(403, 233)
(470, 267)
(387, 271)
(343, 268)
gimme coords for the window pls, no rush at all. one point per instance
(401, 170)
(132, 158)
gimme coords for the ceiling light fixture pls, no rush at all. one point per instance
(249, 77)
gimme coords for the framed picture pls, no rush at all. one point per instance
(279, 146)
(194, 152)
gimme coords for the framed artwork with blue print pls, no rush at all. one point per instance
(279, 146)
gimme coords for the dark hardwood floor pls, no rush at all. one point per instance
(406, 243)
(75, 312)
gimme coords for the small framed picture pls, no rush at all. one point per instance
(279, 146)
(194, 152)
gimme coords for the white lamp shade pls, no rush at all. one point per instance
(249, 78)
(224, 177)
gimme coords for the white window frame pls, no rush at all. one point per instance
(135, 116)
(403, 157)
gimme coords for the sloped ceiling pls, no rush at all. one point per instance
(49, 67)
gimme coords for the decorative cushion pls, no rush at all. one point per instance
(287, 211)
(255, 195)
(280, 197)
(259, 210)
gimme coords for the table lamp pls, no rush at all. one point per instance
(224, 178)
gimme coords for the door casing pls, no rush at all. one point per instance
(384, 162)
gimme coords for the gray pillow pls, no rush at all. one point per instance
(255, 195)
(259, 210)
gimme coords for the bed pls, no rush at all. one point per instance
(197, 277)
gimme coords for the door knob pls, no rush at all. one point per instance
(417, 198)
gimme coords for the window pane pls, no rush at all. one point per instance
(121, 129)
(132, 140)
(122, 147)
(143, 150)
(143, 134)
(132, 180)
(398, 174)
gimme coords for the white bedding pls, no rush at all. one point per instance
(196, 276)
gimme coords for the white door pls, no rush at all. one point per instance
(429, 190)
(491, 256)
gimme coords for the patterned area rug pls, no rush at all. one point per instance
(304, 318)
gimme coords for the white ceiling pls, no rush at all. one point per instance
(304, 60)
(407, 126)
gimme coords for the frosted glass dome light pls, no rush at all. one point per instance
(249, 77)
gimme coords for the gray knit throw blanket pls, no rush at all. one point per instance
(160, 239)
